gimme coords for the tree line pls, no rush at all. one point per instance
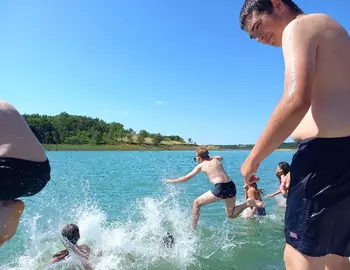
(78, 130)
(285, 145)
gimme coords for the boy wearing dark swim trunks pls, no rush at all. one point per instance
(24, 168)
(314, 111)
(224, 187)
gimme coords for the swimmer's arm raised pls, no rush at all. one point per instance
(299, 48)
(186, 177)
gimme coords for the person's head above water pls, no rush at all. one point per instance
(71, 233)
(282, 169)
(202, 154)
(168, 240)
(265, 20)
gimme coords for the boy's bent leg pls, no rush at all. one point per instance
(233, 210)
(206, 198)
(10, 213)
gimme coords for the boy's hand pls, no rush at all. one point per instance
(169, 181)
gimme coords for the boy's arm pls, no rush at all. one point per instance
(273, 194)
(187, 177)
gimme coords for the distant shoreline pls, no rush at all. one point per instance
(138, 147)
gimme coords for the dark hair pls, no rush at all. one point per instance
(284, 166)
(71, 232)
(262, 6)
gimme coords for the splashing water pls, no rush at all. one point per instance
(134, 244)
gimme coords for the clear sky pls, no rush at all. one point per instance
(181, 67)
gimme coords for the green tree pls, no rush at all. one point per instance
(130, 138)
(116, 133)
(189, 140)
(141, 137)
(157, 139)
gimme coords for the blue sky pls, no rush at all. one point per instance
(179, 67)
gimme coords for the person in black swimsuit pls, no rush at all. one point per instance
(253, 192)
(224, 187)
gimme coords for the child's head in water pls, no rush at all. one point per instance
(71, 233)
(168, 240)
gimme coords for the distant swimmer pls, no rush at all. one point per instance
(314, 110)
(281, 173)
(24, 168)
(224, 187)
(71, 236)
(253, 192)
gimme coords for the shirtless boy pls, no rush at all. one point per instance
(24, 168)
(224, 187)
(314, 110)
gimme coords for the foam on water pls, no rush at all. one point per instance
(132, 244)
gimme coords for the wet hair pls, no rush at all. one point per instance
(263, 6)
(168, 240)
(284, 166)
(202, 152)
(255, 185)
(71, 233)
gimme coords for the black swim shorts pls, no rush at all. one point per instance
(21, 178)
(317, 219)
(224, 190)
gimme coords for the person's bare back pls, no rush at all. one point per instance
(16, 138)
(215, 171)
(329, 114)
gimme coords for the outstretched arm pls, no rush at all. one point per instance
(273, 194)
(186, 177)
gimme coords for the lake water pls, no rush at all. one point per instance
(123, 208)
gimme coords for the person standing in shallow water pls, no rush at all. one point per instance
(224, 187)
(314, 110)
(253, 192)
(24, 168)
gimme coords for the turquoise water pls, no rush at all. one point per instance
(123, 208)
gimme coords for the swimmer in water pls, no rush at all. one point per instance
(224, 187)
(71, 236)
(281, 172)
(253, 192)
(24, 168)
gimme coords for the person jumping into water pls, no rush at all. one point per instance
(24, 168)
(71, 236)
(224, 187)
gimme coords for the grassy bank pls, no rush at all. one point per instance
(124, 147)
